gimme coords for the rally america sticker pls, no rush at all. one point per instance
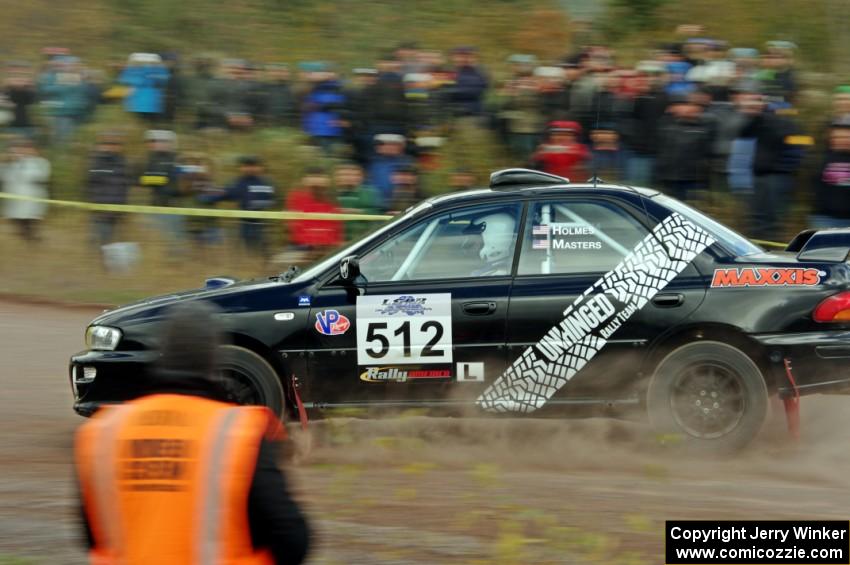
(545, 367)
(401, 375)
(757, 276)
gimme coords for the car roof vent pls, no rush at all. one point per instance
(507, 179)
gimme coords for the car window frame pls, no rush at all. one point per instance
(636, 213)
(332, 276)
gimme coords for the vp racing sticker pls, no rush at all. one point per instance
(545, 367)
(757, 276)
(404, 329)
(331, 322)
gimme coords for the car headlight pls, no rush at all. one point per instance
(102, 338)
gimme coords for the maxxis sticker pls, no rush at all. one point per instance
(766, 276)
(544, 368)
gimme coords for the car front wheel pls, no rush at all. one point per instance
(710, 394)
(250, 379)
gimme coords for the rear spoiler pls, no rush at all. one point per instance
(831, 245)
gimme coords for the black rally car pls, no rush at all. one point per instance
(530, 297)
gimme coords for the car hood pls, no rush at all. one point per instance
(148, 308)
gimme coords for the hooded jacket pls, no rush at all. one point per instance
(188, 360)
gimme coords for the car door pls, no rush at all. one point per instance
(587, 344)
(425, 324)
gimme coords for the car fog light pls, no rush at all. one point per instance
(85, 375)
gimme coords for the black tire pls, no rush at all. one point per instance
(250, 379)
(709, 394)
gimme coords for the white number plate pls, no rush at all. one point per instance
(397, 329)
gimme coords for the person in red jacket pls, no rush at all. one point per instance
(562, 154)
(314, 196)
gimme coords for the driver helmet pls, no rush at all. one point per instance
(498, 235)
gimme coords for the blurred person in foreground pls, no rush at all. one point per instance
(354, 197)
(25, 174)
(180, 475)
(314, 196)
(254, 193)
(108, 182)
(832, 182)
(562, 154)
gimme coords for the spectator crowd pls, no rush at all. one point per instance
(697, 118)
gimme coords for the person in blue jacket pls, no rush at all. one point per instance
(65, 93)
(470, 83)
(253, 192)
(389, 158)
(323, 110)
(147, 78)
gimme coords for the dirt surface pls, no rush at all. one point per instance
(424, 490)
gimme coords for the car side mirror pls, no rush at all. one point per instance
(349, 269)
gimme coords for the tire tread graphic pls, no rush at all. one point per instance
(537, 374)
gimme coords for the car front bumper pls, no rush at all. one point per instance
(105, 377)
(820, 361)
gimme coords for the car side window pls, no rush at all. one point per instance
(577, 236)
(477, 241)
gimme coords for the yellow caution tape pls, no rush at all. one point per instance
(217, 213)
(210, 212)
(153, 180)
(799, 140)
(769, 243)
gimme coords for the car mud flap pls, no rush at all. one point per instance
(302, 412)
(792, 404)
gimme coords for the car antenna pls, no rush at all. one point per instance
(592, 160)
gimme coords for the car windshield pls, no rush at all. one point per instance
(335, 256)
(729, 239)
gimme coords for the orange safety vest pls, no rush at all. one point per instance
(165, 479)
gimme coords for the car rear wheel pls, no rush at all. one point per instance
(250, 379)
(709, 394)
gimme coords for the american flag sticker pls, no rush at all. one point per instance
(540, 237)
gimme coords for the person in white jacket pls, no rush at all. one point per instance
(25, 173)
